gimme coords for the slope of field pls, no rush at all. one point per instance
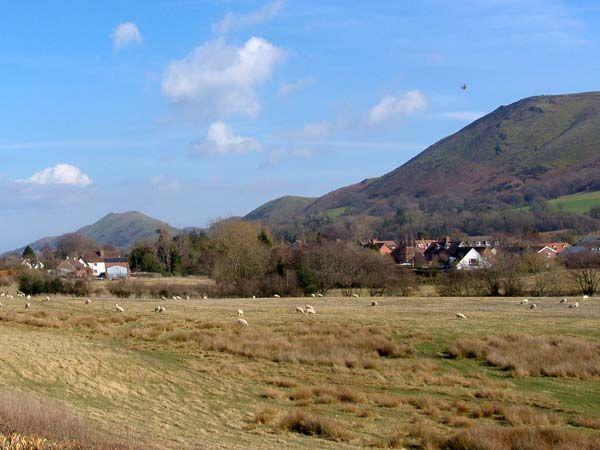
(353, 376)
(280, 209)
(577, 203)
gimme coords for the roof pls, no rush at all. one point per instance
(116, 260)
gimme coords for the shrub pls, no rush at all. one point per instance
(302, 422)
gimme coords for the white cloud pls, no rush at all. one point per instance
(232, 21)
(462, 116)
(221, 140)
(64, 174)
(391, 107)
(125, 34)
(219, 79)
(288, 88)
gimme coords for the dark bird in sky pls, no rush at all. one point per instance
(464, 87)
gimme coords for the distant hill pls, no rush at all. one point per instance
(120, 230)
(280, 209)
(540, 147)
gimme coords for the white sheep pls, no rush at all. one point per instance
(119, 308)
(29, 297)
(374, 303)
(310, 311)
(254, 297)
(308, 307)
(47, 298)
(243, 322)
(240, 312)
(187, 297)
(319, 295)
(1, 305)
(585, 297)
(205, 297)
(276, 296)
(2, 294)
(355, 295)
(163, 298)
(564, 300)
(461, 316)
(313, 295)
(88, 301)
(533, 306)
(524, 301)
(161, 309)
(300, 309)
(27, 305)
(574, 305)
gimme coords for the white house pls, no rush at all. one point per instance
(473, 260)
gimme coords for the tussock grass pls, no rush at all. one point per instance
(328, 394)
(27, 420)
(316, 343)
(303, 422)
(585, 422)
(526, 355)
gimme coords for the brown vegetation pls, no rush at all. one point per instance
(526, 355)
(303, 422)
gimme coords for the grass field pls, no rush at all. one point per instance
(578, 203)
(350, 376)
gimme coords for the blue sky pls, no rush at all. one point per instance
(192, 110)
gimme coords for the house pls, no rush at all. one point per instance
(588, 248)
(474, 259)
(72, 268)
(37, 265)
(116, 267)
(553, 249)
(96, 261)
(405, 253)
(383, 247)
(482, 241)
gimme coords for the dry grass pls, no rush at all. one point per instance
(526, 355)
(303, 422)
(590, 422)
(48, 424)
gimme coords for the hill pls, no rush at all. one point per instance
(537, 148)
(280, 209)
(120, 230)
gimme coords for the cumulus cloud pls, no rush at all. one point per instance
(63, 174)
(221, 140)
(125, 34)
(220, 79)
(391, 107)
(232, 21)
(288, 88)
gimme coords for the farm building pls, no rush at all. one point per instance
(116, 268)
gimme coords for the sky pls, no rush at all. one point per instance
(195, 110)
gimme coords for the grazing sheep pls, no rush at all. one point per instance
(276, 296)
(2, 294)
(574, 305)
(88, 301)
(1, 305)
(310, 311)
(300, 309)
(119, 308)
(308, 307)
(47, 298)
(163, 298)
(585, 297)
(254, 297)
(374, 303)
(240, 312)
(187, 297)
(533, 306)
(355, 295)
(319, 295)
(524, 301)
(461, 316)
(564, 300)
(27, 305)
(205, 297)
(29, 297)
(313, 295)
(243, 322)
(161, 309)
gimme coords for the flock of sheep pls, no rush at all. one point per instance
(305, 310)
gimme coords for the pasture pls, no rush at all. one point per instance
(404, 373)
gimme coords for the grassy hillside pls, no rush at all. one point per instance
(280, 209)
(124, 229)
(578, 203)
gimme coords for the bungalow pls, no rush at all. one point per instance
(96, 261)
(473, 260)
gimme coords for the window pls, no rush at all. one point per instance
(473, 262)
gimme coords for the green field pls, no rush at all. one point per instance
(351, 376)
(578, 203)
